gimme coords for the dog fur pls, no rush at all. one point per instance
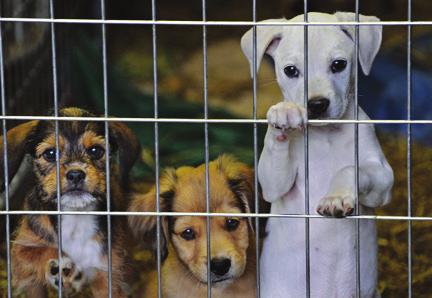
(184, 269)
(281, 169)
(35, 263)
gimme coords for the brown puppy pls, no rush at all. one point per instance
(83, 188)
(184, 271)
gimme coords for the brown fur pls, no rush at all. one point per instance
(36, 239)
(16, 139)
(184, 271)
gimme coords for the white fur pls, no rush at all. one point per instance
(281, 168)
(78, 232)
(75, 201)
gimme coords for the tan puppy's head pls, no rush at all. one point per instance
(184, 190)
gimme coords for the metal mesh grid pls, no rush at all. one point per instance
(154, 23)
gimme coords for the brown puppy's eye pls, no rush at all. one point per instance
(188, 234)
(231, 224)
(95, 152)
(49, 155)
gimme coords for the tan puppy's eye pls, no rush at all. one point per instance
(231, 224)
(49, 155)
(95, 152)
(188, 234)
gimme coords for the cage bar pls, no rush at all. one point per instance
(107, 147)
(212, 23)
(5, 166)
(206, 148)
(306, 151)
(255, 150)
(209, 120)
(57, 149)
(409, 193)
(214, 214)
(356, 150)
(156, 148)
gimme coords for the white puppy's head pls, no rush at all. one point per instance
(331, 54)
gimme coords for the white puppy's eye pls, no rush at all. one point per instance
(291, 71)
(338, 65)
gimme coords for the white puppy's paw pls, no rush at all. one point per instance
(284, 117)
(336, 206)
(72, 278)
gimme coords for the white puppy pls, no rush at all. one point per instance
(281, 169)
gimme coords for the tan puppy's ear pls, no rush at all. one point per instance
(17, 146)
(145, 227)
(240, 179)
(129, 148)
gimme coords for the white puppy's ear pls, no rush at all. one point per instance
(267, 40)
(369, 39)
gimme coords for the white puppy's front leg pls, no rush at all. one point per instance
(277, 169)
(375, 183)
(340, 199)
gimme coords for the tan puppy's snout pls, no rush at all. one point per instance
(220, 266)
(317, 106)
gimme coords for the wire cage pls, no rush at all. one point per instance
(48, 35)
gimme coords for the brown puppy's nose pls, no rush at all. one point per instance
(220, 266)
(317, 106)
(75, 176)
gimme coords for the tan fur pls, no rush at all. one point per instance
(184, 272)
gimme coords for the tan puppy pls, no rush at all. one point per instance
(184, 245)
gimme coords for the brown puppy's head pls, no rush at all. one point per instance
(82, 157)
(184, 190)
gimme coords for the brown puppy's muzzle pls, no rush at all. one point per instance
(75, 179)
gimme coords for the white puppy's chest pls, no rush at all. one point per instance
(78, 242)
(323, 163)
(331, 241)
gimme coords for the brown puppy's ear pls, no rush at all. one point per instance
(240, 179)
(128, 147)
(145, 227)
(17, 146)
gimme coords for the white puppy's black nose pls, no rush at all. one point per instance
(317, 106)
(220, 266)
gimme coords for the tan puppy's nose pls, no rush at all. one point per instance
(220, 266)
(317, 106)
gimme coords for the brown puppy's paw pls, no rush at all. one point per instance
(72, 278)
(336, 206)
